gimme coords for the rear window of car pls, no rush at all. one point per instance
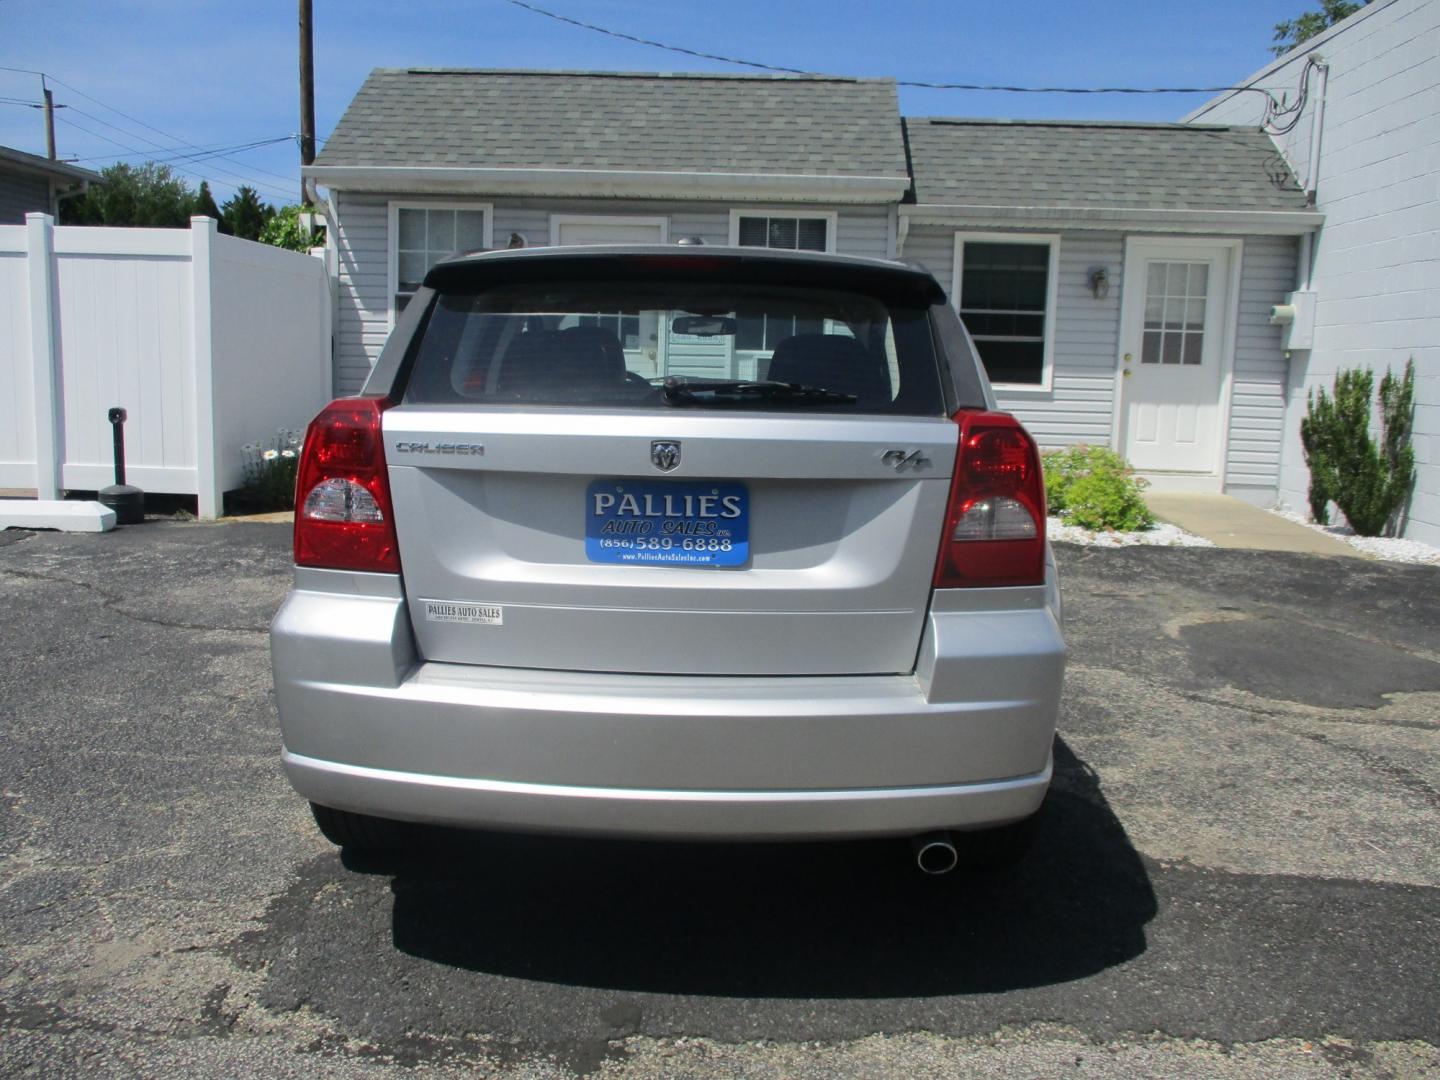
(657, 345)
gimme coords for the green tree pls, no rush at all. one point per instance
(147, 196)
(1370, 482)
(1292, 32)
(245, 214)
(285, 230)
(205, 205)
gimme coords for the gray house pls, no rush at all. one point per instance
(1118, 278)
(428, 162)
(30, 184)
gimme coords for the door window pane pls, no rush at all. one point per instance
(1175, 306)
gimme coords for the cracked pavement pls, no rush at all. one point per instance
(1238, 874)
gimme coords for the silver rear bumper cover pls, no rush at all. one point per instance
(753, 815)
(963, 741)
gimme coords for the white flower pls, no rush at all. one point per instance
(287, 453)
(270, 455)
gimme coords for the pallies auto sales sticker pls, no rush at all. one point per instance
(461, 612)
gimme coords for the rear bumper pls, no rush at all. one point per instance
(962, 742)
(659, 813)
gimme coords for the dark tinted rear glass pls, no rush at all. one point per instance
(617, 344)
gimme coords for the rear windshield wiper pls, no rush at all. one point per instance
(678, 390)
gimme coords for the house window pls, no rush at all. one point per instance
(784, 230)
(624, 325)
(1006, 296)
(422, 235)
(761, 333)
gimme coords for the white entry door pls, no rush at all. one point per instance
(593, 229)
(1176, 347)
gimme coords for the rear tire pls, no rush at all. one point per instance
(358, 832)
(988, 850)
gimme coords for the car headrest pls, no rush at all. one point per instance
(832, 362)
(543, 360)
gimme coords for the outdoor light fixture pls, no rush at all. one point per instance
(1099, 279)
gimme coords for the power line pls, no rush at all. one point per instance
(204, 152)
(142, 153)
(158, 131)
(183, 143)
(242, 177)
(899, 82)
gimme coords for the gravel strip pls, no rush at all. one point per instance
(1386, 548)
(1161, 534)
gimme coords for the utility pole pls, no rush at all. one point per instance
(307, 95)
(49, 120)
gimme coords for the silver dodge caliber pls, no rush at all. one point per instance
(687, 542)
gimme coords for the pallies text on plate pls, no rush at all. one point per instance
(649, 505)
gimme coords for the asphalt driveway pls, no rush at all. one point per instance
(1238, 875)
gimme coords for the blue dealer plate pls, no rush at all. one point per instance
(686, 523)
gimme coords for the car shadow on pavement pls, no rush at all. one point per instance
(822, 920)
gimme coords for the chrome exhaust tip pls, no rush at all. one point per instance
(935, 853)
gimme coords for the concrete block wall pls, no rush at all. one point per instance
(1377, 259)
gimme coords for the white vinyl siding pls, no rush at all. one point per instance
(1257, 402)
(362, 287)
(1079, 407)
(362, 300)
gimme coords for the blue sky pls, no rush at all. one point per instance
(214, 74)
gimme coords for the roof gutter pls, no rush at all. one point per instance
(1251, 222)
(609, 183)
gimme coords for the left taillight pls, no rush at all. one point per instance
(344, 519)
(995, 523)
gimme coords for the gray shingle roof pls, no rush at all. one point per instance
(31, 163)
(620, 120)
(1097, 164)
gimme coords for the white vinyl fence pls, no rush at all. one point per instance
(207, 341)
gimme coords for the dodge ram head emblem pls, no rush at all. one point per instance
(665, 455)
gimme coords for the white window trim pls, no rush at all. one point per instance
(392, 239)
(1052, 294)
(830, 217)
(557, 220)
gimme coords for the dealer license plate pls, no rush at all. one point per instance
(687, 523)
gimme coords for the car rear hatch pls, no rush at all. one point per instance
(677, 466)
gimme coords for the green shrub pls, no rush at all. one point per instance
(284, 230)
(270, 472)
(1095, 488)
(1369, 482)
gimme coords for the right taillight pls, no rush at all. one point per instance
(995, 523)
(343, 516)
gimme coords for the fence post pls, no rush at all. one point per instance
(49, 431)
(207, 476)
